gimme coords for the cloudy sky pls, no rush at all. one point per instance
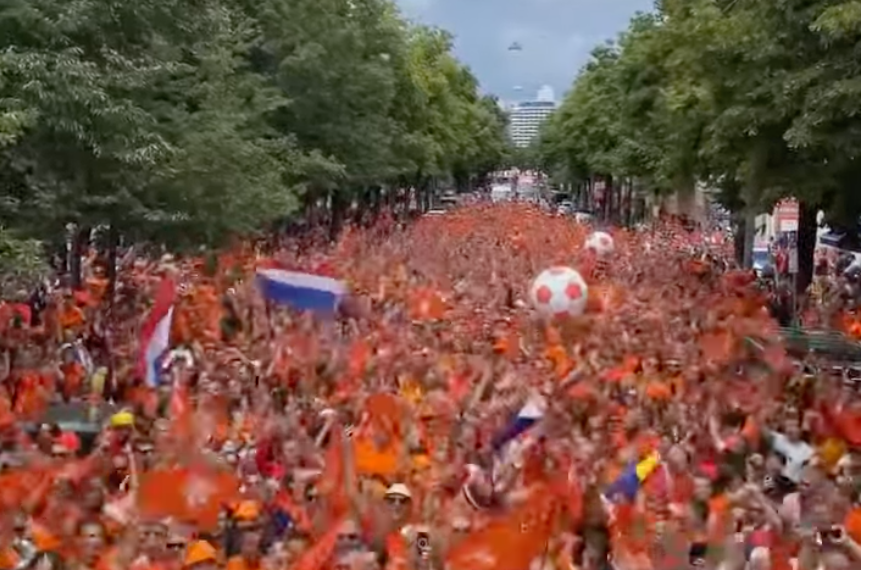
(556, 37)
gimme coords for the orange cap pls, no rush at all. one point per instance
(658, 391)
(199, 552)
(246, 511)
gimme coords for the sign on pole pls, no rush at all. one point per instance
(793, 261)
(787, 216)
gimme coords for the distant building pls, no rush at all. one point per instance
(525, 119)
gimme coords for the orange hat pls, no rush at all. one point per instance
(658, 391)
(199, 552)
(246, 511)
(43, 539)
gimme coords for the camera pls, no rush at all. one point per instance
(422, 544)
(832, 534)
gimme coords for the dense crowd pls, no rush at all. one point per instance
(376, 438)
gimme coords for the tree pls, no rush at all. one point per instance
(145, 119)
(759, 100)
(22, 265)
(185, 122)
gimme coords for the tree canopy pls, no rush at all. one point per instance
(187, 121)
(760, 100)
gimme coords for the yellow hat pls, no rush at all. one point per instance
(121, 419)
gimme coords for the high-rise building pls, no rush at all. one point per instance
(526, 117)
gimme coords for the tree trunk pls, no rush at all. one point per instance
(806, 240)
(421, 194)
(753, 190)
(750, 235)
(338, 206)
(607, 197)
(428, 195)
(376, 200)
(587, 190)
(81, 241)
(309, 208)
(361, 207)
(739, 229)
(112, 263)
(407, 201)
(619, 202)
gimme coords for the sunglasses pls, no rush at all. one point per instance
(397, 500)
(349, 537)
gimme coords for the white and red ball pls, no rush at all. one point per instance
(600, 242)
(559, 292)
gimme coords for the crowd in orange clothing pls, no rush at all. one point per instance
(280, 441)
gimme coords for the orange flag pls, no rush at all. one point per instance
(181, 414)
(513, 541)
(16, 486)
(426, 304)
(189, 494)
(319, 554)
(331, 484)
(358, 358)
(378, 444)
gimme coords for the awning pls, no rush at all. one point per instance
(831, 239)
(76, 417)
(839, 241)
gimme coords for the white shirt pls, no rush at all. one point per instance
(796, 455)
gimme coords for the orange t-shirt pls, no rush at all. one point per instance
(852, 524)
(74, 377)
(71, 317)
(8, 559)
(33, 394)
(397, 551)
(719, 510)
(108, 560)
(240, 563)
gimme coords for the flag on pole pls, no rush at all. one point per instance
(302, 291)
(630, 480)
(155, 338)
(520, 423)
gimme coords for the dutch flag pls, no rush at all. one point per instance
(155, 339)
(521, 422)
(302, 291)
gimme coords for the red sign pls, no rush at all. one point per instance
(787, 216)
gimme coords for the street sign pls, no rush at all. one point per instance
(787, 216)
(792, 261)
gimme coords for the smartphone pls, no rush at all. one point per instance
(422, 544)
(829, 535)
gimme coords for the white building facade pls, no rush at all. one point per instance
(525, 119)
